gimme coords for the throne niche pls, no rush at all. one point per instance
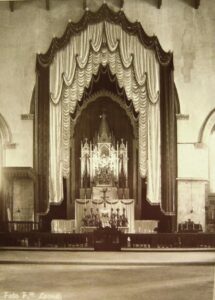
(104, 164)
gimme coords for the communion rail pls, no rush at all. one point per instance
(19, 226)
(88, 240)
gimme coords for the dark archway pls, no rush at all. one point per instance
(87, 126)
(104, 94)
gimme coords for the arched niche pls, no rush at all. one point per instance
(87, 125)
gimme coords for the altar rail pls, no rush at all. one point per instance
(86, 240)
(45, 239)
(168, 240)
(19, 226)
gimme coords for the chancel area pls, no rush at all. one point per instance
(111, 146)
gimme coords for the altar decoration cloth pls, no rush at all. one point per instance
(82, 205)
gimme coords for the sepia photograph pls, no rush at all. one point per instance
(107, 149)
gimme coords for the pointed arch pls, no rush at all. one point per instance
(207, 137)
(115, 98)
(207, 127)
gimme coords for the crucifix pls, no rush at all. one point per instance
(104, 197)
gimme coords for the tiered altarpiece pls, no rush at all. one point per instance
(104, 194)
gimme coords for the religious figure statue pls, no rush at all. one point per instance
(104, 168)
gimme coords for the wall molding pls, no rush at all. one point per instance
(199, 145)
(192, 179)
(27, 117)
(19, 172)
(182, 117)
(10, 146)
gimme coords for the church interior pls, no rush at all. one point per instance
(107, 138)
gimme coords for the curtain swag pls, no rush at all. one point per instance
(73, 68)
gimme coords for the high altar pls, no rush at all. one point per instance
(104, 193)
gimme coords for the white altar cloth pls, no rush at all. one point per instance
(145, 226)
(81, 204)
(63, 226)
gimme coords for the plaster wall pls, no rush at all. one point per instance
(192, 196)
(189, 33)
(23, 200)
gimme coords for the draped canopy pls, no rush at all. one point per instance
(106, 38)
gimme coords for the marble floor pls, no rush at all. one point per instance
(66, 275)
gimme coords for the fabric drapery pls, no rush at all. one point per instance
(136, 69)
(41, 133)
(131, 51)
(169, 103)
(168, 141)
(56, 141)
(154, 163)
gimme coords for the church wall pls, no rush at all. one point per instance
(193, 161)
(23, 200)
(189, 33)
(191, 201)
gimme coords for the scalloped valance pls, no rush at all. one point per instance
(117, 18)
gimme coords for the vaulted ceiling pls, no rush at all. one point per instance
(157, 3)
